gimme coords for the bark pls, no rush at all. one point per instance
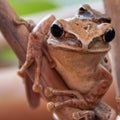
(113, 9)
(17, 37)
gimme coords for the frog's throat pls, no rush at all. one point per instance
(76, 60)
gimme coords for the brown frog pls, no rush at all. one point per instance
(74, 48)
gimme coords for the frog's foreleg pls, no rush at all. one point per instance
(34, 49)
(75, 103)
(50, 92)
(97, 92)
(72, 102)
(29, 56)
(37, 87)
(89, 100)
(40, 33)
(76, 100)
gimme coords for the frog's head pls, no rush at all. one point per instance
(80, 40)
(83, 35)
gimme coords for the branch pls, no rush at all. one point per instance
(112, 8)
(17, 37)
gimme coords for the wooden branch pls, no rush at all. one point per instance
(17, 37)
(112, 8)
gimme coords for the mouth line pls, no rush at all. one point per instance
(59, 45)
(99, 50)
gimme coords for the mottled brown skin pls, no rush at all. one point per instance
(76, 56)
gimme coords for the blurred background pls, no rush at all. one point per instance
(13, 102)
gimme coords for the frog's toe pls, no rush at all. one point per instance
(84, 115)
(20, 73)
(48, 92)
(37, 88)
(51, 106)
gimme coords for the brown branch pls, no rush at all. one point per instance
(112, 8)
(17, 37)
(14, 35)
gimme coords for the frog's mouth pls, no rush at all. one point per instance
(96, 47)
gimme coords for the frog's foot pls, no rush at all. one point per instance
(75, 103)
(37, 88)
(50, 92)
(86, 115)
(29, 23)
(51, 106)
(25, 66)
(20, 73)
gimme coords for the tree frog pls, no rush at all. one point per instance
(74, 48)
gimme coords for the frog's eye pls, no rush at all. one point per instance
(109, 35)
(56, 30)
(82, 10)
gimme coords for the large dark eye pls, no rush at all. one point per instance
(56, 30)
(109, 35)
(82, 10)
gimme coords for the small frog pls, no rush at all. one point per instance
(74, 47)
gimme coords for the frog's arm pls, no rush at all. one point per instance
(76, 100)
(83, 102)
(35, 53)
(97, 92)
(35, 40)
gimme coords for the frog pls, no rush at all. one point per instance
(74, 48)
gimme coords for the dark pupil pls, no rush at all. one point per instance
(82, 9)
(56, 30)
(109, 35)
